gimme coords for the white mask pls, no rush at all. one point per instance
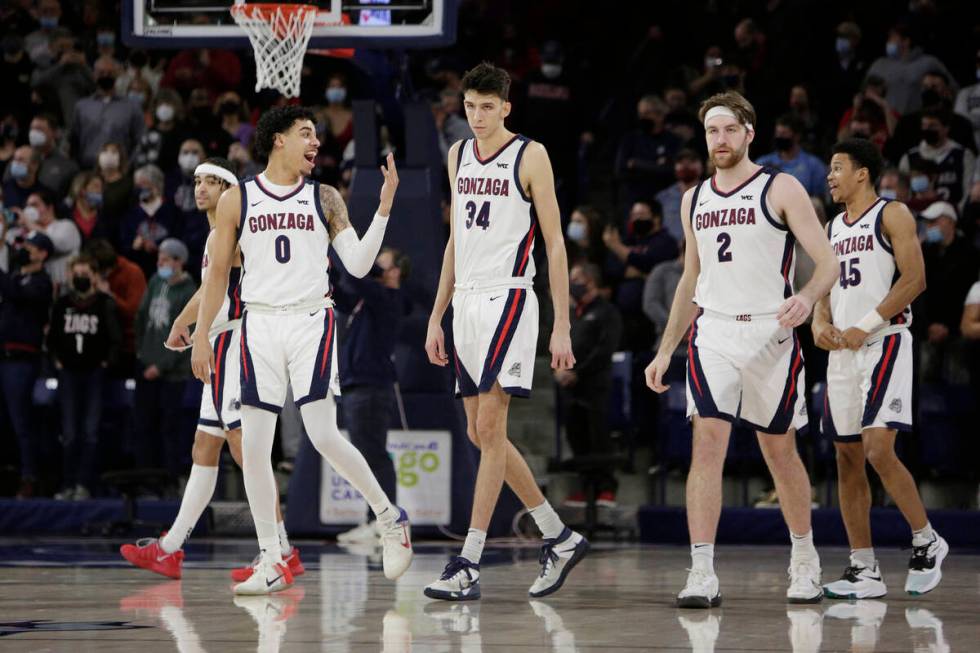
(165, 113)
(37, 138)
(108, 160)
(31, 214)
(188, 161)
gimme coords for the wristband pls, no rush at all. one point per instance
(870, 322)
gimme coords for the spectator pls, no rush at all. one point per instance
(83, 341)
(450, 125)
(138, 66)
(584, 390)
(163, 374)
(922, 191)
(9, 131)
(902, 68)
(233, 118)
(122, 280)
(39, 214)
(161, 141)
(86, 195)
(870, 116)
(936, 94)
(104, 117)
(375, 306)
(688, 170)
(840, 81)
(21, 176)
(954, 163)
(645, 157)
(893, 184)
(968, 103)
(203, 125)
(680, 120)
(792, 159)
(190, 223)
(218, 70)
(139, 92)
(658, 291)
(38, 42)
(813, 134)
(117, 188)
(584, 237)
(25, 297)
(56, 170)
(63, 84)
(15, 74)
(148, 223)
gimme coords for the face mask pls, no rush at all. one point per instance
(145, 194)
(891, 49)
(109, 160)
(81, 284)
(105, 39)
(202, 114)
(731, 81)
(934, 235)
(376, 271)
(31, 214)
(642, 227)
(843, 45)
(551, 70)
(686, 174)
(336, 94)
(48, 22)
(165, 272)
(165, 113)
(860, 133)
(18, 170)
(37, 138)
(888, 194)
(931, 97)
(138, 98)
(105, 82)
(930, 136)
(577, 290)
(919, 184)
(645, 124)
(229, 108)
(9, 132)
(137, 59)
(22, 257)
(94, 199)
(783, 143)
(188, 161)
(576, 231)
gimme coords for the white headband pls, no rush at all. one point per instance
(217, 171)
(719, 110)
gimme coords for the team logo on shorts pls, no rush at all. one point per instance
(803, 409)
(515, 370)
(896, 405)
(234, 404)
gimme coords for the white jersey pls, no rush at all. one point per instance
(493, 219)
(283, 241)
(230, 314)
(746, 253)
(867, 267)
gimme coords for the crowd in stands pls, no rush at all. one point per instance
(100, 240)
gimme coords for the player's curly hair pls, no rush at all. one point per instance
(863, 154)
(278, 120)
(487, 79)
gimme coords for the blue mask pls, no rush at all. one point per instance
(165, 272)
(888, 194)
(145, 194)
(919, 184)
(105, 39)
(336, 94)
(18, 170)
(575, 231)
(843, 45)
(95, 199)
(934, 235)
(891, 49)
(48, 22)
(138, 98)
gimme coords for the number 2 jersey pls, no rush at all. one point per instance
(493, 219)
(746, 253)
(867, 268)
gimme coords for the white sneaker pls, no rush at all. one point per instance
(805, 629)
(562, 639)
(459, 618)
(558, 557)
(858, 582)
(267, 577)
(921, 621)
(804, 582)
(460, 581)
(368, 533)
(868, 617)
(925, 566)
(396, 539)
(701, 590)
(702, 631)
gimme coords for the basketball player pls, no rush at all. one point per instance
(864, 324)
(744, 363)
(503, 190)
(284, 224)
(220, 402)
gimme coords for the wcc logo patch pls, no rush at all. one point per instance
(515, 370)
(895, 406)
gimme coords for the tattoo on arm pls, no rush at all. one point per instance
(334, 209)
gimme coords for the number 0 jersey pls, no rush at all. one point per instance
(867, 267)
(746, 254)
(283, 241)
(493, 219)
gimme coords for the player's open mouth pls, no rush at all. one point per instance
(310, 157)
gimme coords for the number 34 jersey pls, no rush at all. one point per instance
(867, 267)
(493, 218)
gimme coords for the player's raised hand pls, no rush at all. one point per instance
(435, 346)
(655, 371)
(389, 186)
(794, 311)
(562, 357)
(202, 360)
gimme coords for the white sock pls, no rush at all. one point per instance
(473, 546)
(703, 556)
(548, 521)
(803, 546)
(320, 419)
(284, 539)
(197, 495)
(864, 557)
(260, 482)
(923, 536)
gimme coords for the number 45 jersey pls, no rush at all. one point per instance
(867, 268)
(493, 219)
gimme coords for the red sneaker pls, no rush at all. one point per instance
(292, 561)
(148, 554)
(575, 500)
(606, 499)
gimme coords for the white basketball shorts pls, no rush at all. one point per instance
(869, 388)
(495, 335)
(221, 401)
(283, 348)
(745, 369)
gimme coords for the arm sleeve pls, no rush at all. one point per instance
(358, 254)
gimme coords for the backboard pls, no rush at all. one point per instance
(380, 24)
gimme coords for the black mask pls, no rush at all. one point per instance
(228, 108)
(81, 284)
(376, 271)
(783, 143)
(22, 257)
(577, 290)
(931, 97)
(930, 136)
(202, 114)
(137, 59)
(9, 131)
(646, 125)
(642, 227)
(106, 82)
(860, 134)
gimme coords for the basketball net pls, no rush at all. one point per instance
(279, 34)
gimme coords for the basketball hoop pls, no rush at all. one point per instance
(279, 34)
